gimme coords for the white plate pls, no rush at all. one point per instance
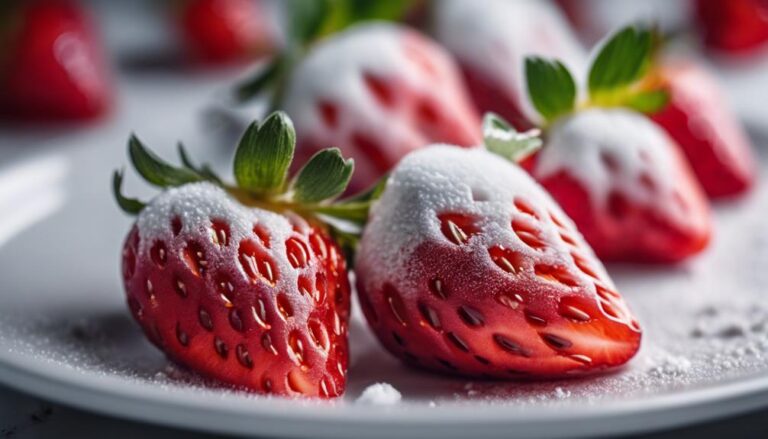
(65, 333)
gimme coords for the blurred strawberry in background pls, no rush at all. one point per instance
(698, 117)
(733, 26)
(53, 67)
(225, 31)
(492, 55)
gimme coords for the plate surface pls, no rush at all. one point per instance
(65, 333)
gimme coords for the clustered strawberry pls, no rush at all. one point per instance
(477, 249)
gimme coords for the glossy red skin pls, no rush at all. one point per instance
(709, 135)
(398, 312)
(55, 68)
(169, 318)
(625, 232)
(737, 27)
(225, 31)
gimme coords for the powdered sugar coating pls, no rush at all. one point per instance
(380, 394)
(196, 205)
(510, 31)
(443, 178)
(583, 144)
(413, 68)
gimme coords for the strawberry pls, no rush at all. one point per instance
(377, 91)
(697, 117)
(467, 266)
(225, 31)
(53, 68)
(733, 26)
(492, 55)
(243, 284)
(618, 175)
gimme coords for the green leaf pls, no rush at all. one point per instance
(356, 212)
(306, 19)
(154, 169)
(648, 102)
(323, 177)
(264, 154)
(129, 205)
(204, 170)
(502, 139)
(623, 60)
(262, 81)
(550, 86)
(390, 10)
(371, 194)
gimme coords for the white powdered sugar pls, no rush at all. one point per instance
(380, 394)
(335, 72)
(197, 205)
(442, 178)
(589, 143)
(510, 31)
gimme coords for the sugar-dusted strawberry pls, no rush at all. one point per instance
(378, 91)
(492, 54)
(52, 66)
(733, 26)
(618, 175)
(226, 31)
(243, 284)
(467, 266)
(699, 119)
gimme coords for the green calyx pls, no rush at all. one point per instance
(621, 75)
(261, 170)
(309, 21)
(502, 139)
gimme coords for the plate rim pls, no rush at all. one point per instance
(292, 418)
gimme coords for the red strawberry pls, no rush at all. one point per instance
(733, 26)
(378, 91)
(53, 68)
(617, 174)
(250, 297)
(467, 266)
(698, 119)
(225, 31)
(492, 55)
(626, 186)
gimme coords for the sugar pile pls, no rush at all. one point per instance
(380, 394)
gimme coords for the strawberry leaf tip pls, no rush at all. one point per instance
(502, 139)
(264, 154)
(323, 177)
(551, 87)
(155, 170)
(129, 205)
(623, 60)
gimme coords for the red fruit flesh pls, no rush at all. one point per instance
(225, 31)
(229, 320)
(733, 26)
(54, 69)
(698, 119)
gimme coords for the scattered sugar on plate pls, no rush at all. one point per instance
(380, 394)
